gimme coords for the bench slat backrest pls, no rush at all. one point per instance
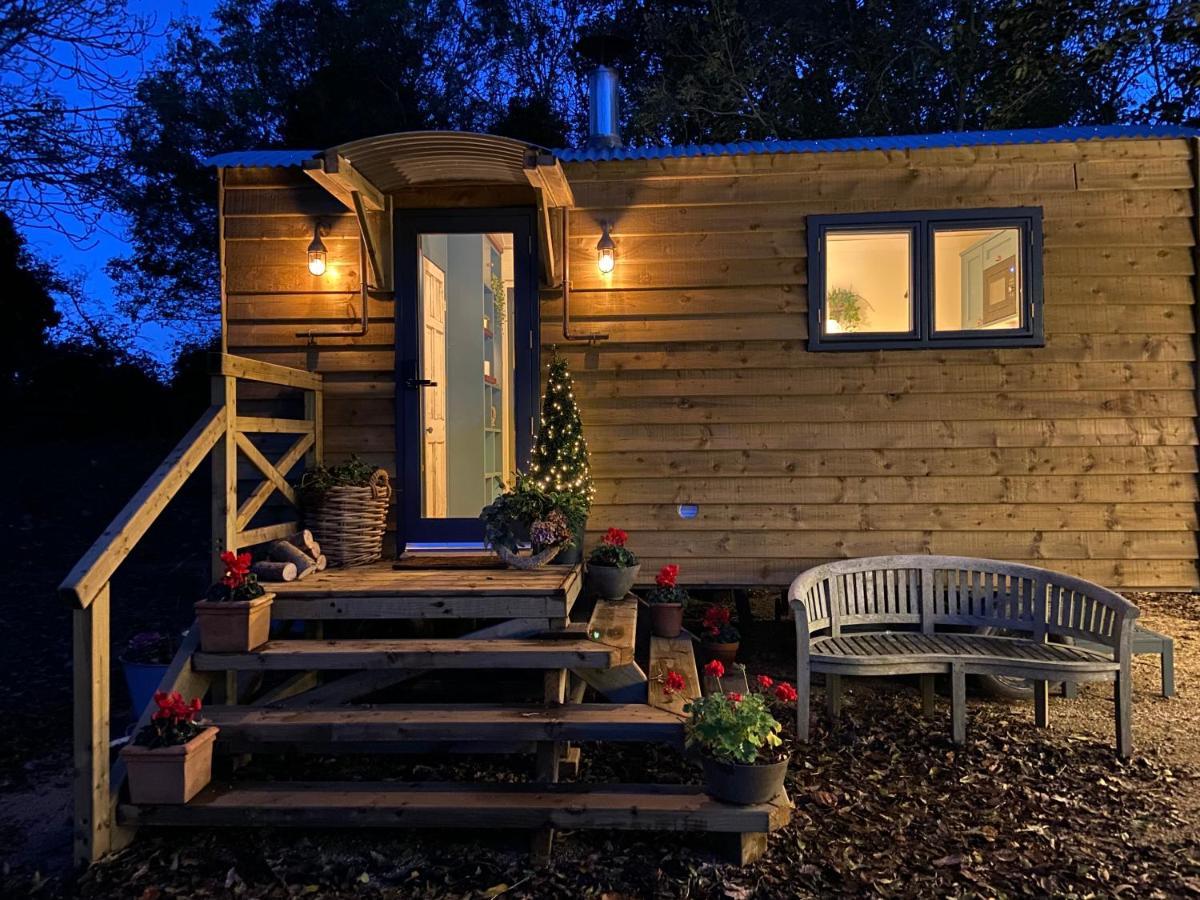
(939, 591)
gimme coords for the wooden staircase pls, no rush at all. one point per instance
(319, 707)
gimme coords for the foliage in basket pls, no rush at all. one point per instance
(665, 590)
(718, 629)
(174, 722)
(525, 512)
(238, 584)
(611, 551)
(319, 480)
(733, 728)
(151, 648)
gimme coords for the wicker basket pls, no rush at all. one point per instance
(533, 561)
(349, 522)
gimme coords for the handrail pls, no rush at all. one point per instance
(97, 566)
(220, 432)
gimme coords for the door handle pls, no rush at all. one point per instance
(419, 382)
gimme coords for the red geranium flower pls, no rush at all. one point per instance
(765, 681)
(716, 669)
(666, 576)
(785, 692)
(672, 683)
(237, 567)
(615, 537)
(734, 697)
(716, 618)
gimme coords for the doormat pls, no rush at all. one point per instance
(448, 561)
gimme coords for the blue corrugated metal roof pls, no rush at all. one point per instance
(251, 159)
(269, 158)
(900, 142)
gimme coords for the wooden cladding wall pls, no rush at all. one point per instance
(1079, 456)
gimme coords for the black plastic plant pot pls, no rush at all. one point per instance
(741, 784)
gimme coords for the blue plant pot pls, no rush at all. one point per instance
(143, 680)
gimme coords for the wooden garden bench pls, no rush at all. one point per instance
(845, 611)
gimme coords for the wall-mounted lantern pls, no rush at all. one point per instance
(605, 248)
(316, 252)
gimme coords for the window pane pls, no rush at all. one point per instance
(977, 279)
(468, 439)
(868, 281)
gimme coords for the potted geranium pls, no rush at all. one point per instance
(612, 567)
(740, 748)
(145, 662)
(720, 638)
(525, 514)
(666, 601)
(235, 617)
(170, 760)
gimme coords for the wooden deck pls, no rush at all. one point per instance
(381, 591)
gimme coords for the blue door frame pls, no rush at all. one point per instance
(411, 526)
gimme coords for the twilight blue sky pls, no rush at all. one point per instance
(89, 257)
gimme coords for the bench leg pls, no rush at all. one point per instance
(1123, 697)
(1070, 690)
(1041, 703)
(1168, 668)
(803, 693)
(833, 698)
(958, 705)
(927, 695)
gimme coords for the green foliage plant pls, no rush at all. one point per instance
(507, 520)
(845, 306)
(733, 728)
(318, 480)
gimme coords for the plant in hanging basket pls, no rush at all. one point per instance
(719, 636)
(526, 514)
(740, 747)
(170, 759)
(236, 615)
(612, 567)
(666, 601)
(346, 507)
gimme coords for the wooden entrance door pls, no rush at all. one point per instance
(433, 397)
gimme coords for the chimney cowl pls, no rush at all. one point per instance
(604, 108)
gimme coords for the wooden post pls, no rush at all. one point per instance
(224, 474)
(93, 806)
(314, 403)
(549, 753)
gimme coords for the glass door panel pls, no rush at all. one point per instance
(466, 371)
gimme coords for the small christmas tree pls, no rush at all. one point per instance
(559, 461)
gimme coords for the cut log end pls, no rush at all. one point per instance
(275, 571)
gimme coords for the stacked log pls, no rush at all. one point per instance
(297, 556)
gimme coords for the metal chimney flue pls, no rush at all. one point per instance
(604, 88)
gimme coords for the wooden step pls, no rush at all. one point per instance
(614, 622)
(363, 728)
(340, 655)
(445, 805)
(673, 655)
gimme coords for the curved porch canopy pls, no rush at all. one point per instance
(363, 174)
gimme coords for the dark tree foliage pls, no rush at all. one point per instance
(28, 308)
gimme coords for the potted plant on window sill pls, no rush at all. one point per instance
(740, 748)
(612, 567)
(170, 760)
(720, 639)
(235, 617)
(144, 663)
(666, 600)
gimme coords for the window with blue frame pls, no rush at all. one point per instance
(941, 278)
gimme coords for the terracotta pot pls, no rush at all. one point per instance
(236, 627)
(741, 784)
(170, 774)
(611, 582)
(726, 653)
(666, 619)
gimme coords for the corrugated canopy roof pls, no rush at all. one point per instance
(431, 152)
(414, 158)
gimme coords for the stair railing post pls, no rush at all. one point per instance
(224, 474)
(93, 831)
(314, 411)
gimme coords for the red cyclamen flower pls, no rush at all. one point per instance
(672, 683)
(237, 567)
(734, 697)
(615, 537)
(785, 692)
(765, 681)
(716, 669)
(666, 576)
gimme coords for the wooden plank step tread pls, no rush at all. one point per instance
(341, 655)
(614, 622)
(244, 727)
(673, 655)
(450, 805)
